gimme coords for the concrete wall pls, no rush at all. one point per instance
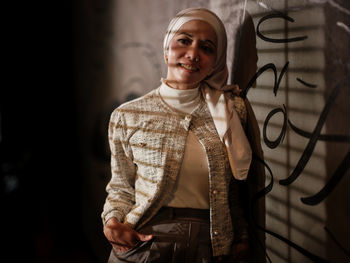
(119, 56)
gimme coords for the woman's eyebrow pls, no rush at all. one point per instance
(186, 34)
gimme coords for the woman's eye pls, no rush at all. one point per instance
(184, 41)
(208, 49)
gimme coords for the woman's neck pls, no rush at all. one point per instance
(183, 100)
(180, 86)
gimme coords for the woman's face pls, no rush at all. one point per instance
(191, 55)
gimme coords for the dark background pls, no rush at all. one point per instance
(39, 149)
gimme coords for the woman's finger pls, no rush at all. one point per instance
(143, 237)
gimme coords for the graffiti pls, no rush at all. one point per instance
(275, 143)
(332, 183)
(309, 85)
(321, 195)
(277, 81)
(132, 80)
(253, 205)
(321, 137)
(313, 140)
(274, 40)
(308, 151)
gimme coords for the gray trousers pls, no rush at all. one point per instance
(180, 236)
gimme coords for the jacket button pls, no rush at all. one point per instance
(216, 233)
(215, 192)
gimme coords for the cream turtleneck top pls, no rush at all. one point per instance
(192, 189)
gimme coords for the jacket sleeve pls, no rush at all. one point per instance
(121, 188)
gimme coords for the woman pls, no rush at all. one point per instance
(177, 154)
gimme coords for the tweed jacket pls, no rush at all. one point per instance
(147, 141)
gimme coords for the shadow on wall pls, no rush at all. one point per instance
(301, 105)
(305, 133)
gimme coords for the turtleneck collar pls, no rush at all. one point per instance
(182, 100)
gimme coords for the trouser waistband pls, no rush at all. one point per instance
(167, 212)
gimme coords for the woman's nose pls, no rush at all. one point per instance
(192, 53)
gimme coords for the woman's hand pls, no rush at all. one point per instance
(122, 236)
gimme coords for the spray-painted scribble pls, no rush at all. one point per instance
(321, 137)
(253, 204)
(275, 143)
(275, 40)
(314, 138)
(309, 85)
(331, 184)
(277, 80)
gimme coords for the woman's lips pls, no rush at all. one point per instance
(189, 67)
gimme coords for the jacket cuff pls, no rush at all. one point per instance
(114, 213)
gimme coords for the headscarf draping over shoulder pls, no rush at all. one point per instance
(219, 102)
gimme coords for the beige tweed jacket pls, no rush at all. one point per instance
(147, 141)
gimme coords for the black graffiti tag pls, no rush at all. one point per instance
(276, 40)
(277, 80)
(253, 205)
(275, 143)
(313, 138)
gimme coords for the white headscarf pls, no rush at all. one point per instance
(220, 104)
